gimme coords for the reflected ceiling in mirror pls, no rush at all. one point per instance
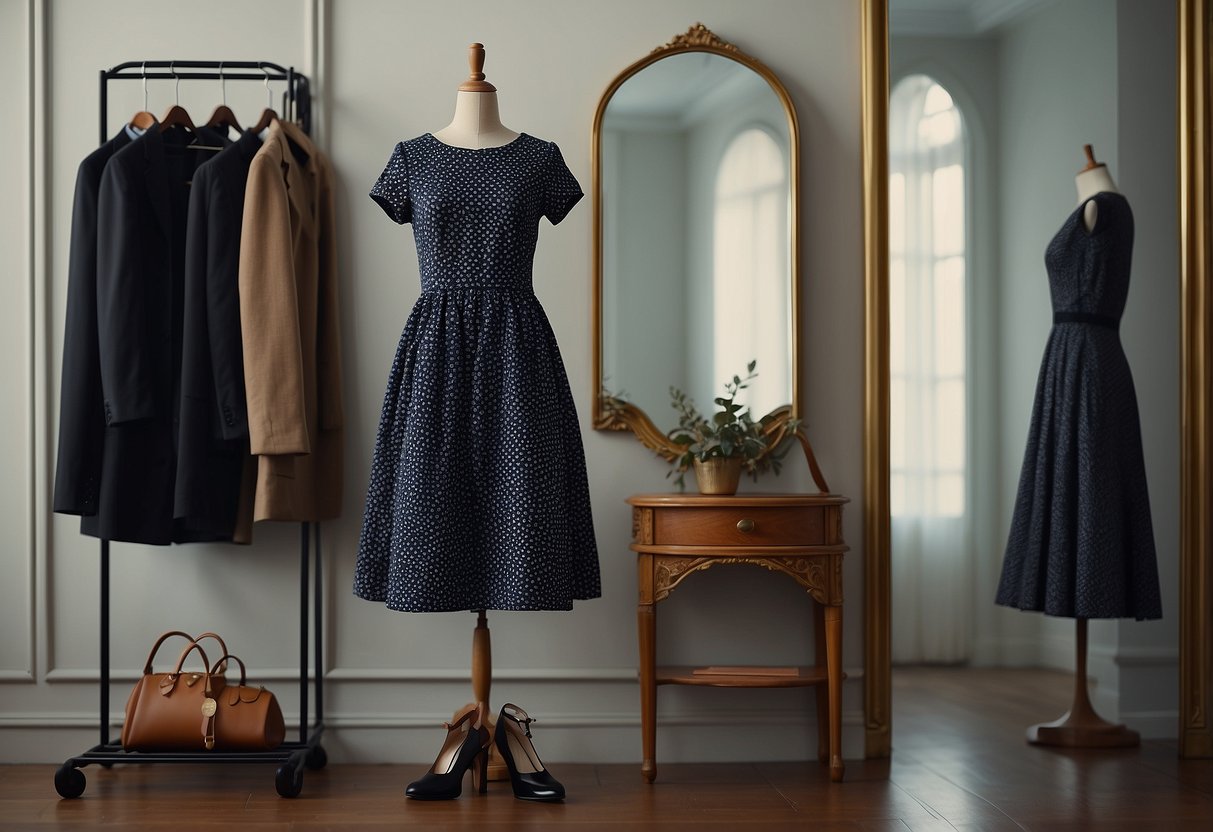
(695, 186)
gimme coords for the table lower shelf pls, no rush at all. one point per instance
(742, 678)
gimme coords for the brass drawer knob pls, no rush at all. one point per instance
(745, 526)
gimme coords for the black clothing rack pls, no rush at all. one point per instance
(292, 757)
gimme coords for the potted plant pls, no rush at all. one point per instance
(721, 447)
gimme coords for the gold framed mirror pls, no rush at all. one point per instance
(696, 248)
(1195, 487)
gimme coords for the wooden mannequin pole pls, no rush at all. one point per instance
(482, 659)
(482, 684)
(1081, 727)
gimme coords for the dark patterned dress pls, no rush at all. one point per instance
(1081, 542)
(478, 496)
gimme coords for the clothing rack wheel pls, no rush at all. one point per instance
(292, 757)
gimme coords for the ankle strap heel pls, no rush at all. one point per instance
(528, 776)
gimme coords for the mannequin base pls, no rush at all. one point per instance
(497, 769)
(1089, 732)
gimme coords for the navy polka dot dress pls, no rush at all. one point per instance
(1081, 543)
(478, 496)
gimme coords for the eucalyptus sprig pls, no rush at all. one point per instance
(731, 432)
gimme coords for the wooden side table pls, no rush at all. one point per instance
(799, 535)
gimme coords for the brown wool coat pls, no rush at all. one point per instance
(289, 326)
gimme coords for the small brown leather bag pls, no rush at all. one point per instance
(248, 718)
(173, 711)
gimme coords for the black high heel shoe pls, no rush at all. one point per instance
(466, 746)
(531, 781)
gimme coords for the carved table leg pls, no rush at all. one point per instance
(646, 621)
(821, 693)
(833, 621)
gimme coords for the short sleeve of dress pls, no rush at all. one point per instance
(563, 192)
(391, 189)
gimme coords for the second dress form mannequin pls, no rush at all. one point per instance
(1081, 726)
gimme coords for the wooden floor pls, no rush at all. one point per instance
(960, 762)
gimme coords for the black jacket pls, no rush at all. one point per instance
(81, 414)
(142, 213)
(213, 446)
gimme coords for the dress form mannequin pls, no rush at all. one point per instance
(1091, 180)
(477, 122)
(1081, 726)
(477, 125)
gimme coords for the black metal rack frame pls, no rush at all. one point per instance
(292, 757)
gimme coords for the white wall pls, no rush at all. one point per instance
(1147, 653)
(384, 71)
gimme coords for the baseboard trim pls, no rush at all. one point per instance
(1153, 725)
(426, 721)
(591, 675)
(347, 674)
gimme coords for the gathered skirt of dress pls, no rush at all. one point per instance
(1081, 543)
(478, 496)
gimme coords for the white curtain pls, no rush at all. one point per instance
(931, 551)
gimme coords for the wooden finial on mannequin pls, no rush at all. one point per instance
(475, 81)
(1091, 163)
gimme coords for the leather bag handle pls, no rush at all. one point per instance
(222, 646)
(166, 687)
(147, 667)
(220, 667)
(237, 693)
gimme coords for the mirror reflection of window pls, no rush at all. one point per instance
(928, 468)
(750, 268)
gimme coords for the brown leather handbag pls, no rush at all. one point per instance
(173, 711)
(248, 718)
(196, 711)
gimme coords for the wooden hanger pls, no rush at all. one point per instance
(269, 115)
(143, 120)
(223, 117)
(176, 115)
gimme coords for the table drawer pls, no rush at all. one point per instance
(730, 526)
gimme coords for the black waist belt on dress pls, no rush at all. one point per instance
(1086, 318)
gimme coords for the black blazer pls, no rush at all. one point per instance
(213, 447)
(140, 277)
(81, 415)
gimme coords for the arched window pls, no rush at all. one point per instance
(750, 240)
(926, 300)
(931, 548)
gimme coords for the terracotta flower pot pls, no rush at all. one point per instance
(719, 475)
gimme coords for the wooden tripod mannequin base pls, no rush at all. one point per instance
(1081, 727)
(482, 682)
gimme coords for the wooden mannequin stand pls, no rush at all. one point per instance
(1081, 727)
(482, 682)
